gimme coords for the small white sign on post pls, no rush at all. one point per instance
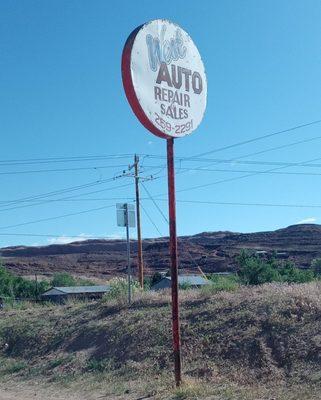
(126, 218)
(124, 209)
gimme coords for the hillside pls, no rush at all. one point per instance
(213, 251)
(255, 343)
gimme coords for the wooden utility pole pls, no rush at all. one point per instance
(139, 233)
(137, 177)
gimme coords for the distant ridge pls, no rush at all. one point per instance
(213, 251)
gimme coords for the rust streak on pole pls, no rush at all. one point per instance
(174, 260)
(139, 235)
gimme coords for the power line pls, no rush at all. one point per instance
(150, 219)
(71, 198)
(259, 138)
(62, 191)
(235, 159)
(96, 167)
(54, 235)
(201, 169)
(226, 203)
(131, 199)
(57, 217)
(167, 221)
(155, 204)
(239, 177)
(255, 162)
(56, 192)
(25, 161)
(50, 160)
(245, 162)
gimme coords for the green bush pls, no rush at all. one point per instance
(290, 274)
(224, 282)
(119, 289)
(12, 286)
(63, 279)
(94, 365)
(254, 270)
(316, 266)
(14, 367)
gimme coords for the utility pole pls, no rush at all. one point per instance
(138, 178)
(139, 233)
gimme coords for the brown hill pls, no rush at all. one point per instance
(213, 251)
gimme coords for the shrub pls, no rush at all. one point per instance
(119, 289)
(94, 365)
(224, 282)
(254, 270)
(316, 266)
(12, 286)
(14, 367)
(290, 274)
(63, 279)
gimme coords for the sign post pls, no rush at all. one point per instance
(174, 259)
(165, 84)
(126, 217)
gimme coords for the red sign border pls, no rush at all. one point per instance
(129, 86)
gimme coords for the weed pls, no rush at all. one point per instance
(14, 367)
(94, 365)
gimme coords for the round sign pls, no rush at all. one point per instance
(164, 79)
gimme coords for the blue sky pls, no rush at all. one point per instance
(61, 95)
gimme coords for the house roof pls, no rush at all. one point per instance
(76, 290)
(194, 280)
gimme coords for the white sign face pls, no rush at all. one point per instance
(126, 213)
(164, 79)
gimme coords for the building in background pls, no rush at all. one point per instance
(192, 281)
(61, 294)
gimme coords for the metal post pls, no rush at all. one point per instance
(174, 260)
(128, 256)
(139, 235)
(37, 289)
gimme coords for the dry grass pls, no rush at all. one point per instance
(252, 343)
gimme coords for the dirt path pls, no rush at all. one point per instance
(28, 392)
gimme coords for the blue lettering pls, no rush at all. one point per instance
(165, 51)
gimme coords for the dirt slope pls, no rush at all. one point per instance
(253, 334)
(255, 343)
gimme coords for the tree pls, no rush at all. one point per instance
(63, 279)
(254, 270)
(291, 274)
(12, 286)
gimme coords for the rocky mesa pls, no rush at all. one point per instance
(212, 251)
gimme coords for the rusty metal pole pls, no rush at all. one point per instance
(139, 234)
(174, 260)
